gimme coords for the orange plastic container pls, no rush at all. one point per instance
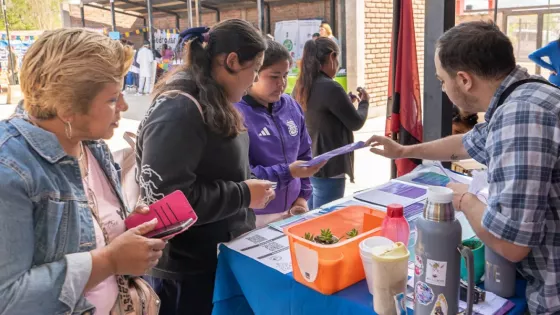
(331, 268)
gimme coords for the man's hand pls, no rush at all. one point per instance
(474, 211)
(391, 149)
(459, 192)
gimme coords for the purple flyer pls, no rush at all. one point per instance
(328, 155)
(404, 190)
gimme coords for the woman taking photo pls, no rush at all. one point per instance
(274, 118)
(193, 140)
(330, 116)
(60, 195)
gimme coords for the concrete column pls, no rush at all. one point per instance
(355, 43)
(65, 15)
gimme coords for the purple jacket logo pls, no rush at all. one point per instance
(292, 128)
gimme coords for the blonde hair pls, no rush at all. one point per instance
(65, 69)
(327, 28)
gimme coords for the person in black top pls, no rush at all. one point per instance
(193, 139)
(330, 116)
(463, 122)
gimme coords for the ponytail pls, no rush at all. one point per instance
(196, 56)
(315, 55)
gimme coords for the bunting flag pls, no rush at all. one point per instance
(168, 32)
(405, 119)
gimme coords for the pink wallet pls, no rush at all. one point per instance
(171, 209)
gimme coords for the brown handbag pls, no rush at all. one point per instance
(137, 298)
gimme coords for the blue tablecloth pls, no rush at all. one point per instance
(245, 286)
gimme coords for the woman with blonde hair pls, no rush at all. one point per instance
(326, 31)
(64, 247)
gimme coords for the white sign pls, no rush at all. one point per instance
(294, 34)
(306, 30)
(162, 37)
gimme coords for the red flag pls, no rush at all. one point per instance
(406, 115)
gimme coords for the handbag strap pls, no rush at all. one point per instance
(187, 95)
(130, 138)
(124, 294)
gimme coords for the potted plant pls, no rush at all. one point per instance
(352, 233)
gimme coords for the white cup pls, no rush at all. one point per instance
(366, 247)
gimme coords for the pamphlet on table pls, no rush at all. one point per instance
(395, 191)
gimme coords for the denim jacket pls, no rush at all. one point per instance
(46, 227)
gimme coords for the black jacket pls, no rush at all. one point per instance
(331, 118)
(177, 151)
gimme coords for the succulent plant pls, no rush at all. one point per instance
(352, 233)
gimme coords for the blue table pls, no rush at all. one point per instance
(245, 286)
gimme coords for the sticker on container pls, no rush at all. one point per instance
(400, 304)
(423, 293)
(436, 272)
(418, 265)
(440, 308)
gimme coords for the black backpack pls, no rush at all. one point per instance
(515, 85)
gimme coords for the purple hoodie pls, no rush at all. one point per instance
(278, 137)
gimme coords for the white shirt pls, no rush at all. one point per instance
(145, 58)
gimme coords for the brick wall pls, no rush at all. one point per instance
(379, 25)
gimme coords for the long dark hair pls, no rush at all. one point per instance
(195, 75)
(315, 54)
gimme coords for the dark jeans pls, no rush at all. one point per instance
(326, 190)
(192, 295)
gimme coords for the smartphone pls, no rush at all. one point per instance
(170, 230)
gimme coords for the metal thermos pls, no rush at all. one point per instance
(438, 252)
(499, 275)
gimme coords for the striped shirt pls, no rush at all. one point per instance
(519, 142)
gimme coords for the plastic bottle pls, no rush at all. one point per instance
(394, 226)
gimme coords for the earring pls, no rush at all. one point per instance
(68, 129)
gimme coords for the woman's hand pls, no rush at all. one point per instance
(298, 171)
(261, 193)
(363, 95)
(143, 209)
(299, 207)
(133, 254)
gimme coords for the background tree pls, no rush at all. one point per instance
(32, 14)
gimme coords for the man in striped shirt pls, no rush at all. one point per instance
(519, 142)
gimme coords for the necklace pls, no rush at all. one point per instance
(81, 157)
(83, 163)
